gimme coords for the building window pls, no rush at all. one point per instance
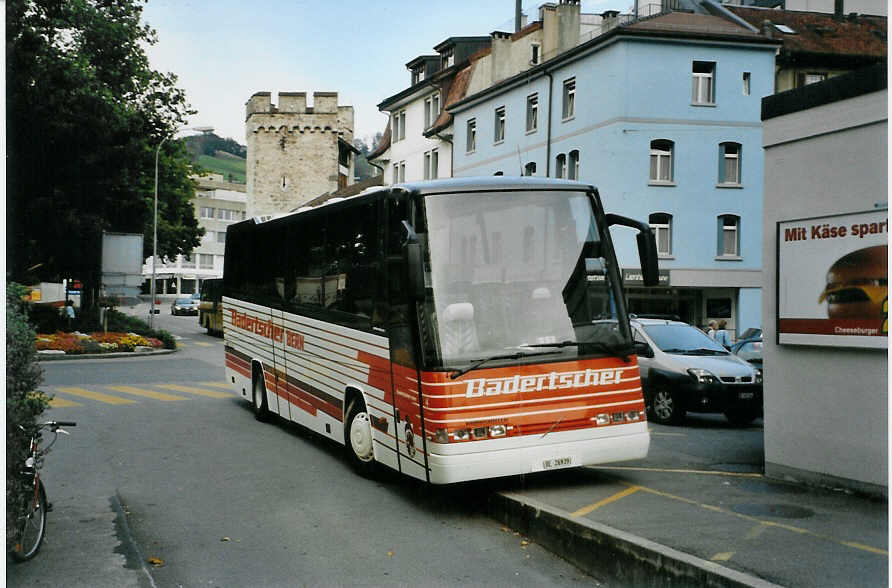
(205, 261)
(532, 112)
(188, 261)
(703, 82)
(448, 58)
(431, 110)
(402, 171)
(471, 144)
(560, 166)
(661, 225)
(399, 126)
(396, 173)
(431, 161)
(746, 83)
(530, 169)
(661, 160)
(417, 75)
(573, 165)
(207, 212)
(221, 236)
(569, 103)
(812, 77)
(729, 235)
(534, 53)
(227, 214)
(499, 135)
(729, 163)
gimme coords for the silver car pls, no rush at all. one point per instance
(682, 369)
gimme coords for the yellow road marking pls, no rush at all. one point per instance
(724, 556)
(755, 532)
(107, 398)
(146, 393)
(194, 390)
(679, 471)
(216, 384)
(202, 344)
(791, 528)
(57, 402)
(618, 496)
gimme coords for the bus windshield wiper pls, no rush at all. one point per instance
(479, 362)
(620, 349)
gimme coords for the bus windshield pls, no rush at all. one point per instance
(515, 273)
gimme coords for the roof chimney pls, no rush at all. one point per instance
(517, 13)
(838, 9)
(766, 28)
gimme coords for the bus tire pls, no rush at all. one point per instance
(358, 439)
(258, 396)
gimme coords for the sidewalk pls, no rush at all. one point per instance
(632, 525)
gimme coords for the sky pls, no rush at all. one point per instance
(223, 51)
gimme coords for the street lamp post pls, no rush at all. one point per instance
(155, 238)
(203, 130)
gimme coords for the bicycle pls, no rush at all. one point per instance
(32, 526)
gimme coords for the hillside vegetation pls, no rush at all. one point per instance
(231, 167)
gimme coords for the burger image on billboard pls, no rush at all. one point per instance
(857, 284)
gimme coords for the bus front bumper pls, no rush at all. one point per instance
(512, 456)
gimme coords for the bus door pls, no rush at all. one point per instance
(407, 408)
(281, 286)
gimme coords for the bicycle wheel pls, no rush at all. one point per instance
(32, 527)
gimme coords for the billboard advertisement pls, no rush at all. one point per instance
(832, 282)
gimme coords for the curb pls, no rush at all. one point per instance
(75, 356)
(610, 554)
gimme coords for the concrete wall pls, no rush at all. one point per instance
(826, 408)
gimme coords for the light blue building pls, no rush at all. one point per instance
(663, 116)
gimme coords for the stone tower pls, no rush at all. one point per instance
(296, 152)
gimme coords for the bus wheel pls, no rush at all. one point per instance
(359, 439)
(258, 397)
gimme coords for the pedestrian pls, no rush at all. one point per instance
(711, 331)
(68, 312)
(721, 335)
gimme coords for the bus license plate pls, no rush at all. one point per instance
(746, 395)
(557, 462)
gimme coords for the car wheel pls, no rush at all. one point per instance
(665, 407)
(741, 416)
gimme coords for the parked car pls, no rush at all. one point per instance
(749, 350)
(751, 333)
(683, 370)
(184, 306)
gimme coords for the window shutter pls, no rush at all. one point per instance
(739, 163)
(721, 163)
(720, 237)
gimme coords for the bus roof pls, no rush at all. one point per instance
(446, 185)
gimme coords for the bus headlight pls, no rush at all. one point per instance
(497, 431)
(462, 435)
(441, 436)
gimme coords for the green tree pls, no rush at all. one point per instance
(24, 403)
(85, 114)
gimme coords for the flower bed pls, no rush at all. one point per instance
(78, 343)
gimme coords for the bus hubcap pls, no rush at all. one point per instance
(361, 437)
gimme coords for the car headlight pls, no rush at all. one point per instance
(702, 376)
(758, 376)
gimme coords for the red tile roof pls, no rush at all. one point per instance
(822, 33)
(457, 91)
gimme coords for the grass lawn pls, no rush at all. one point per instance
(234, 166)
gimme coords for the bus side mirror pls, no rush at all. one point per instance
(647, 247)
(414, 263)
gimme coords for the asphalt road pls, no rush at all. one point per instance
(168, 480)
